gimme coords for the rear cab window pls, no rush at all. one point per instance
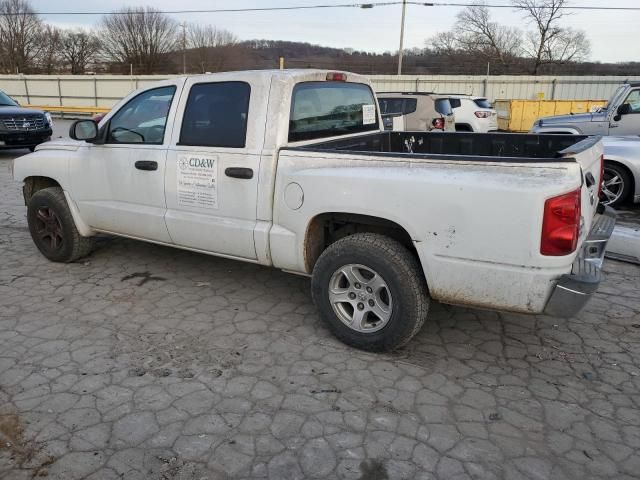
(326, 109)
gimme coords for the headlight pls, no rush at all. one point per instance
(49, 119)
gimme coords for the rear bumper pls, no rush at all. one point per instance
(573, 290)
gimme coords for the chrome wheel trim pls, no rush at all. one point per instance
(360, 298)
(612, 187)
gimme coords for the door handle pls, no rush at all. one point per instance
(146, 165)
(239, 172)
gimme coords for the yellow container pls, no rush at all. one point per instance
(519, 115)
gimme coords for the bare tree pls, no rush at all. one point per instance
(78, 49)
(20, 30)
(210, 45)
(138, 36)
(479, 34)
(444, 43)
(49, 58)
(549, 42)
(475, 33)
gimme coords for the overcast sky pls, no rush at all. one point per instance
(614, 35)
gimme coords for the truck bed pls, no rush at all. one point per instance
(493, 147)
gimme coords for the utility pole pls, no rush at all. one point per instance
(400, 51)
(184, 47)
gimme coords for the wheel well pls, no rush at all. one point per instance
(33, 184)
(325, 229)
(626, 169)
(463, 127)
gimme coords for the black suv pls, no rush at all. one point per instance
(22, 127)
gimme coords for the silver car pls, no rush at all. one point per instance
(621, 170)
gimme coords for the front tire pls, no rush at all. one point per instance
(616, 186)
(52, 227)
(370, 291)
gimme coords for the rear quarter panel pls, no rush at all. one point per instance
(476, 226)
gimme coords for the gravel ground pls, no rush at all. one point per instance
(145, 362)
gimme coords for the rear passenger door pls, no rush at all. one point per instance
(212, 169)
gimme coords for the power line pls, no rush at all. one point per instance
(323, 6)
(224, 10)
(502, 5)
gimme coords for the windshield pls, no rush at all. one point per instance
(615, 97)
(6, 100)
(325, 109)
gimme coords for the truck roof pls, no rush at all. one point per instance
(286, 74)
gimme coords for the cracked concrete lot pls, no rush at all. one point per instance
(145, 362)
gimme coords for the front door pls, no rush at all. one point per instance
(628, 124)
(213, 167)
(119, 186)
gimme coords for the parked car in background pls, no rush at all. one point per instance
(473, 114)
(22, 127)
(621, 116)
(621, 170)
(98, 117)
(419, 112)
(291, 169)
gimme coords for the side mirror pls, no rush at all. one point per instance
(86, 130)
(624, 109)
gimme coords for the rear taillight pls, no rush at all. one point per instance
(601, 182)
(438, 123)
(561, 224)
(482, 114)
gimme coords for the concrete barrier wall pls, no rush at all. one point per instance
(106, 90)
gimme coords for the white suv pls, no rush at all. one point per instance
(473, 114)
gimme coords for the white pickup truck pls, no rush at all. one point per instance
(292, 169)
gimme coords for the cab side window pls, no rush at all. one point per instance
(216, 115)
(633, 100)
(143, 119)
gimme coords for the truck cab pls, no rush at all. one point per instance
(620, 117)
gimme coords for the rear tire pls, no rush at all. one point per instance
(370, 291)
(52, 227)
(617, 185)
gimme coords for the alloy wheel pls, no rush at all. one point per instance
(612, 187)
(49, 229)
(360, 298)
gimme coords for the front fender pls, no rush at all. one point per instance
(53, 164)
